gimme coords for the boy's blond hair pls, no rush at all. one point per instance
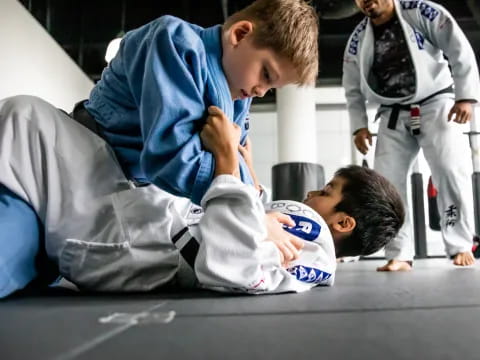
(289, 28)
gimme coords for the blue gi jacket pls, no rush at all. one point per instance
(152, 101)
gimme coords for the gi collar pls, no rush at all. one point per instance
(218, 89)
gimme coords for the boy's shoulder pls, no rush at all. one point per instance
(171, 26)
(171, 21)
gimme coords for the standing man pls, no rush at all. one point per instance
(412, 58)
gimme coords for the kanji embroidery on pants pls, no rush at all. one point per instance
(451, 216)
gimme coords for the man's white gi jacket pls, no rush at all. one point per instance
(430, 33)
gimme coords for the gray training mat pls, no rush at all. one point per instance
(432, 312)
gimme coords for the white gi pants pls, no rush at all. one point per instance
(447, 152)
(95, 222)
(55, 165)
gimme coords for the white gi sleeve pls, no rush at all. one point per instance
(265, 194)
(356, 102)
(442, 31)
(234, 254)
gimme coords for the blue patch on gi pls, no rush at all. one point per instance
(309, 274)
(353, 47)
(304, 228)
(420, 40)
(426, 10)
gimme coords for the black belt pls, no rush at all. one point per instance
(392, 121)
(82, 116)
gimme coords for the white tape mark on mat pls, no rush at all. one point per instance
(139, 318)
(125, 321)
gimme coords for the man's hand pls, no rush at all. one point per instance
(221, 137)
(462, 111)
(288, 244)
(361, 138)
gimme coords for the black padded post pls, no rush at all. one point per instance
(292, 180)
(418, 216)
(476, 200)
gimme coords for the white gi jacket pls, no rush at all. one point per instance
(223, 248)
(107, 236)
(430, 33)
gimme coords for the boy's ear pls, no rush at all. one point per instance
(344, 224)
(239, 31)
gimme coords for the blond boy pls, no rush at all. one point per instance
(153, 97)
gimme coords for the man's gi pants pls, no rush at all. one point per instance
(446, 150)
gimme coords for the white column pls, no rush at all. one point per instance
(296, 124)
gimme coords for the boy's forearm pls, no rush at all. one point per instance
(226, 163)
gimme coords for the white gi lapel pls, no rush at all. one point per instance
(366, 54)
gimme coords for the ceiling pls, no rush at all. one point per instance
(85, 27)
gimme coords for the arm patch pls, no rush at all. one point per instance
(309, 274)
(426, 10)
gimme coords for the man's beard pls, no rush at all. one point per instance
(373, 14)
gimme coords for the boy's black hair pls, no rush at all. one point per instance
(375, 205)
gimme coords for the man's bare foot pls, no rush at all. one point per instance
(464, 259)
(396, 265)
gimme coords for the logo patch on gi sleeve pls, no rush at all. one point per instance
(309, 274)
(305, 228)
(420, 40)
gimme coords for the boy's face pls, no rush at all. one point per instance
(251, 71)
(325, 200)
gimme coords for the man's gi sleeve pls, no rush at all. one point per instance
(442, 31)
(234, 254)
(356, 102)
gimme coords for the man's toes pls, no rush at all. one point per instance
(395, 265)
(464, 259)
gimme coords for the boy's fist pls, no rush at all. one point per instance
(219, 135)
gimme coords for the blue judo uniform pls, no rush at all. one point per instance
(152, 100)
